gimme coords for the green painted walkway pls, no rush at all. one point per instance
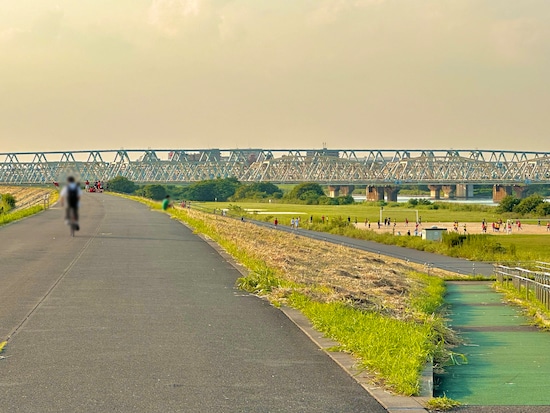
(508, 361)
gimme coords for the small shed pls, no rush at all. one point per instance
(433, 233)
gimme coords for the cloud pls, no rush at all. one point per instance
(274, 72)
(169, 15)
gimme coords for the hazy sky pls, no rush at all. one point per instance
(107, 74)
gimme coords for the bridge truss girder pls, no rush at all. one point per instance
(345, 166)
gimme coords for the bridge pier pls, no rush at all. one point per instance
(375, 193)
(334, 191)
(502, 191)
(465, 191)
(391, 193)
(519, 191)
(435, 191)
(346, 190)
(448, 191)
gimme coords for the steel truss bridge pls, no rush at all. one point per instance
(325, 166)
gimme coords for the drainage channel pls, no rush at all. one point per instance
(508, 361)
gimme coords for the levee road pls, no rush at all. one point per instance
(137, 313)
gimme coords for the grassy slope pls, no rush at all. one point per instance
(22, 213)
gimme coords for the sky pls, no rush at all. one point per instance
(357, 74)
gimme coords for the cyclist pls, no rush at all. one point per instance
(70, 199)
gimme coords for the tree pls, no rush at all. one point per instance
(308, 187)
(508, 203)
(211, 190)
(122, 185)
(529, 204)
(543, 209)
(155, 192)
(257, 190)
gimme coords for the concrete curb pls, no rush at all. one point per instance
(391, 402)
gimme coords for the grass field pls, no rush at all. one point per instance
(519, 247)
(532, 247)
(363, 211)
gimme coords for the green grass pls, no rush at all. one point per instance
(442, 404)
(532, 307)
(396, 350)
(14, 216)
(367, 210)
(427, 294)
(528, 247)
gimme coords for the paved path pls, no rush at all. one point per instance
(508, 360)
(457, 265)
(137, 314)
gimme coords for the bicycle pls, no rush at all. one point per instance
(73, 223)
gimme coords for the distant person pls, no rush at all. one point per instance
(166, 203)
(276, 222)
(70, 199)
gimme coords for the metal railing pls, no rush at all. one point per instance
(534, 283)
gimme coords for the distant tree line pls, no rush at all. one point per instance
(533, 205)
(228, 189)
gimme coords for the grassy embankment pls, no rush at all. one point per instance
(488, 247)
(381, 310)
(531, 306)
(26, 211)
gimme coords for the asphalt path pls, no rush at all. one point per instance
(456, 265)
(138, 314)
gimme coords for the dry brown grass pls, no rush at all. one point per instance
(26, 197)
(363, 279)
